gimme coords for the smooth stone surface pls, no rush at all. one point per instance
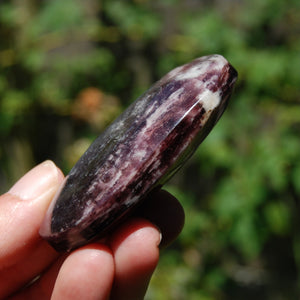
(141, 150)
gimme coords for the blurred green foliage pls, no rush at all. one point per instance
(67, 68)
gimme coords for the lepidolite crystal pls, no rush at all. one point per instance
(141, 150)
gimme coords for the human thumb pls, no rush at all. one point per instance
(22, 210)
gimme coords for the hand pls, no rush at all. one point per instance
(120, 268)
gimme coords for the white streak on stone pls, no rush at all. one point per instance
(89, 206)
(201, 66)
(209, 100)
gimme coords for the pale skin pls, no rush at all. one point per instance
(117, 267)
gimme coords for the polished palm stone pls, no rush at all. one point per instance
(139, 151)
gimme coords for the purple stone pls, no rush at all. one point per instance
(139, 151)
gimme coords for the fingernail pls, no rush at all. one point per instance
(160, 238)
(158, 234)
(37, 181)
